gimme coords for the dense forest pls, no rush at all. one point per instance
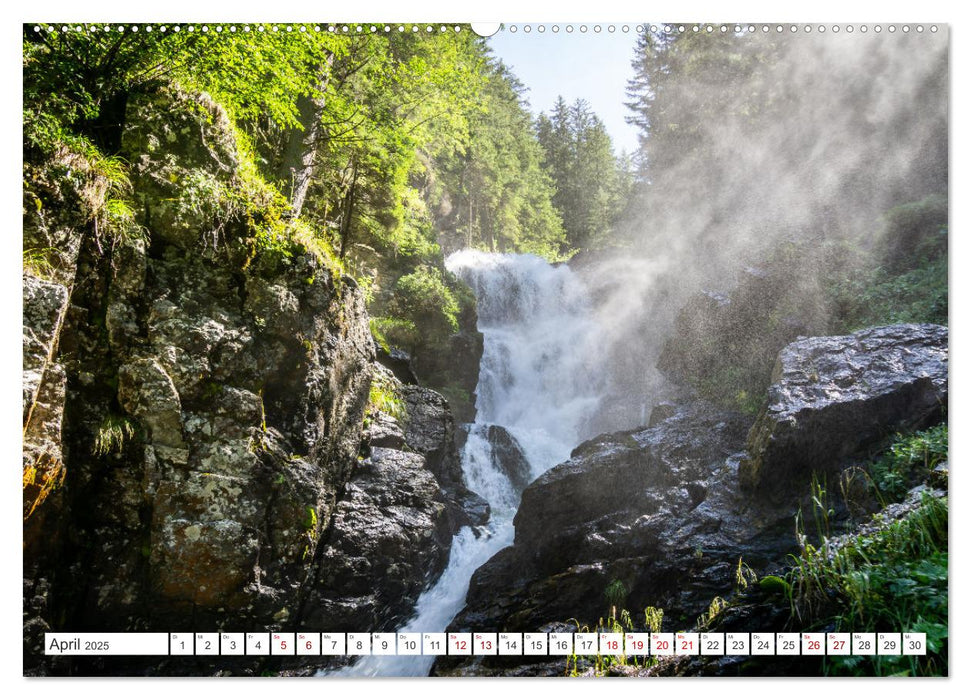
(242, 339)
(379, 151)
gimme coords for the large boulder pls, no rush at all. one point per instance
(833, 397)
(429, 429)
(656, 513)
(183, 157)
(659, 516)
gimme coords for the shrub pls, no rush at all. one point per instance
(913, 231)
(423, 298)
(908, 460)
(384, 397)
(112, 435)
(892, 576)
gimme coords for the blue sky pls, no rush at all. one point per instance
(592, 66)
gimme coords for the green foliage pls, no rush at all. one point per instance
(378, 333)
(809, 287)
(716, 607)
(914, 232)
(878, 296)
(76, 174)
(267, 213)
(908, 461)
(391, 103)
(390, 331)
(893, 578)
(38, 262)
(113, 432)
(745, 576)
(75, 80)
(423, 298)
(384, 397)
(498, 192)
(615, 594)
(619, 623)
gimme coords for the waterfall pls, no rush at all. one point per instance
(540, 378)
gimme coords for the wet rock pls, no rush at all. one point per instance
(658, 510)
(659, 517)
(385, 431)
(757, 608)
(833, 397)
(661, 413)
(508, 455)
(430, 430)
(389, 540)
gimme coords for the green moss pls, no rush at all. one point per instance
(774, 584)
(310, 521)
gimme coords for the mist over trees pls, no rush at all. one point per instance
(796, 134)
(797, 181)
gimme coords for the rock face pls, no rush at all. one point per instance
(834, 396)
(428, 428)
(44, 383)
(389, 540)
(393, 526)
(206, 398)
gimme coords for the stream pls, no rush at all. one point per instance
(539, 378)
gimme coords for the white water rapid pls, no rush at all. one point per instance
(540, 377)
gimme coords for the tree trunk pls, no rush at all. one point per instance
(300, 155)
(348, 214)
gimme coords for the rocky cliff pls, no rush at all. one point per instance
(194, 400)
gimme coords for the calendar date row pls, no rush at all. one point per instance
(631, 644)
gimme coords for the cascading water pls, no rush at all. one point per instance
(540, 378)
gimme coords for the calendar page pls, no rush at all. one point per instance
(514, 349)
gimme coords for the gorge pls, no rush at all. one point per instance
(330, 332)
